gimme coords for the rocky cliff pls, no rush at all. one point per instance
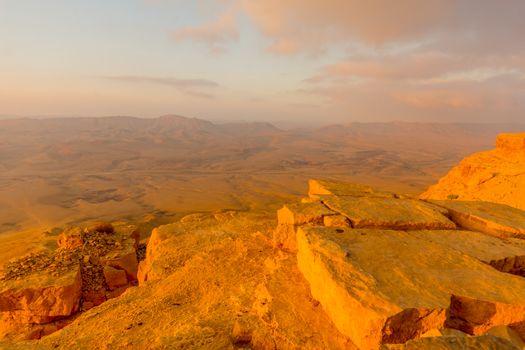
(346, 267)
(496, 176)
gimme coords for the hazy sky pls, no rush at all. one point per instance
(312, 60)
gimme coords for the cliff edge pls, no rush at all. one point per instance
(495, 176)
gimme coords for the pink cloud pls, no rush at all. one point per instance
(215, 34)
(297, 25)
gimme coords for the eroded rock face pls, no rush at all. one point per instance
(495, 176)
(348, 274)
(358, 268)
(402, 264)
(89, 267)
(213, 283)
(40, 299)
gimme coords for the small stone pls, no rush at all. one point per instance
(115, 278)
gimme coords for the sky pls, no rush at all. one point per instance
(267, 60)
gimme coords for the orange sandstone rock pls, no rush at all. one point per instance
(389, 213)
(475, 316)
(292, 215)
(400, 285)
(40, 298)
(123, 260)
(494, 176)
(303, 213)
(115, 278)
(492, 218)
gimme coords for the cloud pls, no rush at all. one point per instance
(214, 34)
(500, 98)
(192, 87)
(297, 25)
(422, 67)
(436, 58)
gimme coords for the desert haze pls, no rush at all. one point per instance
(61, 172)
(58, 172)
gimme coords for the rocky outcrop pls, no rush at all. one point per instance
(39, 299)
(338, 204)
(357, 269)
(411, 268)
(495, 176)
(215, 282)
(90, 266)
(348, 275)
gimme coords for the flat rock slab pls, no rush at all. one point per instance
(492, 218)
(385, 286)
(318, 188)
(389, 213)
(485, 248)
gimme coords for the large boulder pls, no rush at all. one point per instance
(90, 266)
(40, 297)
(399, 284)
